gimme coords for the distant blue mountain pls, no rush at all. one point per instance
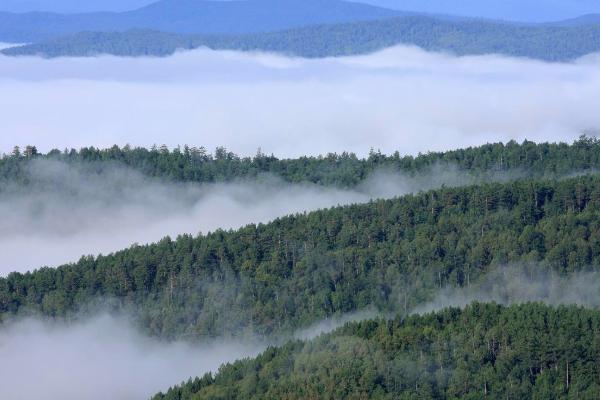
(239, 17)
(513, 10)
(192, 16)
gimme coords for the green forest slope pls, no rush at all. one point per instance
(276, 277)
(484, 351)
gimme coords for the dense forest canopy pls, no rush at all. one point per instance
(197, 164)
(484, 351)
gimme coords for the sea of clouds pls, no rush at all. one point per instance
(401, 99)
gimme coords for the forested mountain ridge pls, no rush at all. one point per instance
(460, 37)
(191, 16)
(192, 164)
(483, 351)
(277, 277)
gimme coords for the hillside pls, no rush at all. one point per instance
(460, 37)
(486, 350)
(190, 16)
(274, 278)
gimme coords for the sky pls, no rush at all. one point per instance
(400, 99)
(512, 10)
(517, 10)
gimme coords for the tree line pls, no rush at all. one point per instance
(197, 164)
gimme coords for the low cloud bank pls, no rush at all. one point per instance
(105, 357)
(102, 358)
(510, 285)
(6, 45)
(398, 99)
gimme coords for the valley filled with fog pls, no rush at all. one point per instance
(400, 99)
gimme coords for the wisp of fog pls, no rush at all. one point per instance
(69, 210)
(101, 358)
(521, 284)
(401, 99)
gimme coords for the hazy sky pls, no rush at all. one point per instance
(515, 10)
(398, 99)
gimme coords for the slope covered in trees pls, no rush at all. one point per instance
(511, 160)
(460, 37)
(296, 270)
(484, 351)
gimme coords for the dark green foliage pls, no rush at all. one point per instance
(511, 160)
(298, 269)
(484, 351)
(461, 37)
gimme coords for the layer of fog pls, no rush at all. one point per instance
(101, 358)
(7, 45)
(399, 99)
(336, 321)
(522, 284)
(67, 211)
(106, 357)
